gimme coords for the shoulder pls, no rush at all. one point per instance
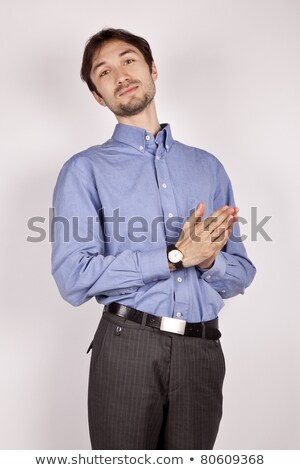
(200, 156)
(84, 161)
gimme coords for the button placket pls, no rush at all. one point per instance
(168, 200)
(169, 208)
(180, 294)
(167, 196)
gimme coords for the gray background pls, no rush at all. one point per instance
(228, 83)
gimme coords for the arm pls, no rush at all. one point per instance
(213, 248)
(79, 266)
(232, 271)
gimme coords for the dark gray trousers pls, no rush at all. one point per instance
(153, 390)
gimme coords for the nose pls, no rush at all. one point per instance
(122, 79)
(122, 82)
(122, 76)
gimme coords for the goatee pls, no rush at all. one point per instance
(135, 106)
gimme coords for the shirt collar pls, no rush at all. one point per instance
(137, 136)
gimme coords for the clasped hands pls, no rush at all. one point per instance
(200, 241)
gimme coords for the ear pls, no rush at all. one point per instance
(154, 71)
(98, 98)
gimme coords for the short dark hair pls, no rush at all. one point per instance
(108, 34)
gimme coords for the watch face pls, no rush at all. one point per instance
(175, 256)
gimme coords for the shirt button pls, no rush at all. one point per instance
(141, 147)
(164, 185)
(178, 314)
(147, 137)
(223, 291)
(170, 214)
(157, 157)
(179, 279)
(208, 276)
(167, 146)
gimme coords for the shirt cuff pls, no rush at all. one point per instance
(154, 265)
(217, 271)
(205, 269)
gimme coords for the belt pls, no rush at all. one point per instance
(207, 329)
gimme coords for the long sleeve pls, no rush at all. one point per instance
(232, 271)
(115, 208)
(79, 265)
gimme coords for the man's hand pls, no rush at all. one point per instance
(201, 241)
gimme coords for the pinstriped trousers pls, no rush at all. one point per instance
(150, 389)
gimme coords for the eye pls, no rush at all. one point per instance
(103, 73)
(129, 60)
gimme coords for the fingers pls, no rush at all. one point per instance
(226, 216)
(195, 218)
(232, 219)
(196, 242)
(197, 214)
(223, 231)
(222, 237)
(217, 216)
(213, 227)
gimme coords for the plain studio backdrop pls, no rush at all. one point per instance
(228, 83)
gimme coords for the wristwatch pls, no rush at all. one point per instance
(175, 256)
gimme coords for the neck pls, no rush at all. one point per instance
(147, 119)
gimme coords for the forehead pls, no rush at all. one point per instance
(111, 49)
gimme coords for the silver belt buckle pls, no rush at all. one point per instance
(172, 325)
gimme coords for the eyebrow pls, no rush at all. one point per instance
(127, 51)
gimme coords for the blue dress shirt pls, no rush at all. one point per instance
(117, 206)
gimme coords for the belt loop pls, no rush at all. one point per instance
(144, 319)
(203, 330)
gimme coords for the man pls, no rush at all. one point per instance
(151, 223)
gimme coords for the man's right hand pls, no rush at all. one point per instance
(200, 241)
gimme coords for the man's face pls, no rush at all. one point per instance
(122, 78)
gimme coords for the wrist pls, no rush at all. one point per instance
(175, 257)
(206, 265)
(171, 266)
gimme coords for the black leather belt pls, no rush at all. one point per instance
(207, 329)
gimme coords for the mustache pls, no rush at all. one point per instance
(123, 87)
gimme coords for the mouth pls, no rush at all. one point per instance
(128, 91)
